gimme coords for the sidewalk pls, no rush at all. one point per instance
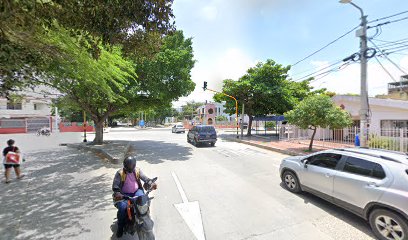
(66, 194)
(286, 147)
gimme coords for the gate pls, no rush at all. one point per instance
(33, 124)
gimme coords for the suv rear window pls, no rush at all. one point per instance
(364, 168)
(206, 129)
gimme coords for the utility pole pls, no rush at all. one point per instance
(364, 108)
(242, 120)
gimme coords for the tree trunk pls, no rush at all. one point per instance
(311, 140)
(99, 132)
(249, 132)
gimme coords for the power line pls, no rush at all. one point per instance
(318, 72)
(325, 46)
(387, 43)
(311, 69)
(325, 73)
(389, 74)
(388, 22)
(321, 69)
(394, 15)
(385, 55)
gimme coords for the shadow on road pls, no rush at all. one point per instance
(155, 152)
(335, 211)
(61, 188)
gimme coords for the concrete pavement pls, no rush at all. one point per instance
(67, 194)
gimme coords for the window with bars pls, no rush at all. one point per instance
(14, 106)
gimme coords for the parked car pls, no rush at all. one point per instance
(370, 183)
(178, 128)
(202, 134)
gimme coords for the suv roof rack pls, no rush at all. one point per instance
(369, 154)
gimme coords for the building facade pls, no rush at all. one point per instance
(385, 113)
(208, 114)
(27, 114)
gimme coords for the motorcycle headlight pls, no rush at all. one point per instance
(143, 209)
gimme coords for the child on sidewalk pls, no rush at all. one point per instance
(12, 158)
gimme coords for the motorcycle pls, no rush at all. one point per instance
(44, 131)
(138, 215)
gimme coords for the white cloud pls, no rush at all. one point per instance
(209, 12)
(348, 79)
(231, 64)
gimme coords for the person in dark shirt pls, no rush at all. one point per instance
(11, 148)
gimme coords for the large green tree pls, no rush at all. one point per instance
(137, 26)
(114, 84)
(264, 89)
(318, 111)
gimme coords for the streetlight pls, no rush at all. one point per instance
(362, 34)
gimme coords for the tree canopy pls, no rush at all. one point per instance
(318, 111)
(264, 89)
(114, 84)
(137, 26)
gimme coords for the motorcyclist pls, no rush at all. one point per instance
(127, 183)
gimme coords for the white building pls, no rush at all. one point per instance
(28, 107)
(385, 113)
(27, 114)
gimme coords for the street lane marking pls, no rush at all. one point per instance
(190, 212)
(180, 188)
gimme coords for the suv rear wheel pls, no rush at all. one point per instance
(388, 225)
(291, 181)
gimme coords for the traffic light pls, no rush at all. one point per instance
(205, 85)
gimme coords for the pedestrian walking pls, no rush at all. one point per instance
(12, 159)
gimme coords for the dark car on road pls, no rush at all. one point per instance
(202, 134)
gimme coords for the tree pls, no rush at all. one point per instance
(137, 26)
(318, 111)
(113, 84)
(264, 89)
(189, 109)
(221, 118)
(98, 86)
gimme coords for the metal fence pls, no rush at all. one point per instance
(395, 139)
(12, 123)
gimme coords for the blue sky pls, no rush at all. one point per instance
(229, 36)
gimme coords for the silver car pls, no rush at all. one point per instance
(370, 183)
(178, 128)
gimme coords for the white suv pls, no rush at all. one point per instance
(178, 128)
(368, 182)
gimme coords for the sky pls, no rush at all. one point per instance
(230, 36)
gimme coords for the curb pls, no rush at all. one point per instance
(100, 152)
(287, 152)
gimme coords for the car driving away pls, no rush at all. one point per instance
(178, 128)
(370, 183)
(202, 134)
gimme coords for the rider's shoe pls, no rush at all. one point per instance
(119, 233)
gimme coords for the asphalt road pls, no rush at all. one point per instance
(66, 195)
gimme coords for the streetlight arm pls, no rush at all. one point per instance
(359, 8)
